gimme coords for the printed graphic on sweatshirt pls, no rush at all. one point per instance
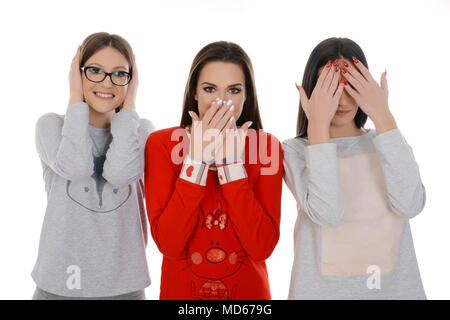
(370, 233)
(96, 194)
(213, 255)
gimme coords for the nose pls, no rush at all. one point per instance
(215, 255)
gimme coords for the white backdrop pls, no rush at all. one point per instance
(39, 39)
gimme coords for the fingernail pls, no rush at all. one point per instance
(219, 102)
(328, 64)
(346, 64)
(345, 82)
(343, 71)
(190, 113)
(355, 60)
(229, 102)
(251, 122)
(232, 118)
(336, 62)
(336, 69)
(232, 108)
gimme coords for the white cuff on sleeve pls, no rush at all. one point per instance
(194, 171)
(231, 169)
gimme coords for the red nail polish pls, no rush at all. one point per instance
(343, 71)
(328, 64)
(355, 60)
(345, 82)
(336, 69)
(346, 64)
(336, 62)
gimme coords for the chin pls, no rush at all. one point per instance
(103, 107)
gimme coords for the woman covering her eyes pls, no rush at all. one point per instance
(356, 189)
(213, 186)
(94, 235)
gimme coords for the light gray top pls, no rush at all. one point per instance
(355, 196)
(94, 234)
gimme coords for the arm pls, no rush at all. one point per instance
(254, 212)
(172, 201)
(404, 186)
(125, 157)
(312, 176)
(65, 145)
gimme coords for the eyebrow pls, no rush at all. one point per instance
(98, 64)
(231, 85)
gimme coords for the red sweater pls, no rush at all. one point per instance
(214, 237)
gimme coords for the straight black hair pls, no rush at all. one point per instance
(329, 49)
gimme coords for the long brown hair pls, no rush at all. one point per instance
(329, 49)
(225, 52)
(98, 41)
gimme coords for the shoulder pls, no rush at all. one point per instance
(295, 144)
(49, 122)
(146, 127)
(166, 136)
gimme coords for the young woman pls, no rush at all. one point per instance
(94, 234)
(356, 189)
(214, 205)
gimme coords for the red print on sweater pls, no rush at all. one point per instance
(214, 254)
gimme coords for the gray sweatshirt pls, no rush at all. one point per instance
(94, 234)
(352, 238)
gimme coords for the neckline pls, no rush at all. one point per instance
(368, 132)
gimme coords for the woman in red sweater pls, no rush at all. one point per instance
(213, 185)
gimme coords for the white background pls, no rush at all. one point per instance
(39, 39)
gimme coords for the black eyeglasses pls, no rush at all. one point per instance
(94, 74)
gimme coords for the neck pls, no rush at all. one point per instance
(348, 130)
(99, 119)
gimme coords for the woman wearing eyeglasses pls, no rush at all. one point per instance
(94, 234)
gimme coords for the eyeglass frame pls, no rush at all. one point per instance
(106, 75)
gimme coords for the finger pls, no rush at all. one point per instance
(225, 118)
(134, 73)
(362, 68)
(327, 81)
(383, 82)
(221, 113)
(359, 80)
(354, 83)
(334, 82)
(352, 92)
(211, 112)
(325, 71)
(246, 125)
(338, 93)
(233, 123)
(303, 97)
(304, 101)
(194, 116)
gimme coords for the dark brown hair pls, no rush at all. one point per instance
(225, 52)
(98, 41)
(329, 49)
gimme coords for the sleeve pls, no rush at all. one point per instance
(312, 175)
(125, 156)
(64, 145)
(255, 211)
(404, 186)
(172, 200)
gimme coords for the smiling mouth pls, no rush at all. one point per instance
(104, 95)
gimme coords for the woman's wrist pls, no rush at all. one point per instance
(318, 134)
(384, 122)
(75, 99)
